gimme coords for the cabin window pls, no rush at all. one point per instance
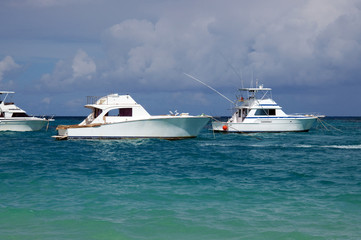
(265, 112)
(261, 112)
(272, 112)
(97, 112)
(20, 115)
(121, 112)
(244, 112)
(125, 112)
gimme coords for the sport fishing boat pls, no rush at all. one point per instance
(13, 118)
(260, 113)
(119, 116)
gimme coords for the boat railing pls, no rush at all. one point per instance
(312, 114)
(92, 99)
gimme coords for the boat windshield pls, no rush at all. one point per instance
(97, 112)
(265, 112)
(20, 115)
(120, 112)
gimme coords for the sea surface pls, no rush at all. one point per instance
(216, 186)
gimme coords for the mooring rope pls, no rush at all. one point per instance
(324, 123)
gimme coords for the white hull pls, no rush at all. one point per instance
(22, 125)
(166, 128)
(267, 125)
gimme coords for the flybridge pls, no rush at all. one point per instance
(6, 92)
(6, 95)
(111, 99)
(252, 92)
(260, 88)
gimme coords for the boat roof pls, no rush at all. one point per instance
(111, 100)
(260, 88)
(6, 92)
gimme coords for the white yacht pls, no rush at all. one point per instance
(258, 112)
(13, 118)
(119, 116)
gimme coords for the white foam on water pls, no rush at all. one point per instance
(343, 146)
(304, 146)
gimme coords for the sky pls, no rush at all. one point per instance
(55, 53)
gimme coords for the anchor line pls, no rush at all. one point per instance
(324, 123)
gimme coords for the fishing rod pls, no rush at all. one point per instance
(194, 78)
(232, 67)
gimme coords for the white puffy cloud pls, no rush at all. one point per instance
(83, 65)
(292, 44)
(6, 65)
(70, 73)
(156, 54)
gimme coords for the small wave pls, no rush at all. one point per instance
(343, 146)
(284, 145)
(330, 146)
(326, 146)
(304, 146)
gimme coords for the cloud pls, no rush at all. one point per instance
(7, 65)
(44, 3)
(292, 44)
(83, 65)
(46, 100)
(147, 47)
(156, 54)
(306, 45)
(295, 43)
(70, 73)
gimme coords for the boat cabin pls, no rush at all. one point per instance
(114, 108)
(9, 109)
(258, 104)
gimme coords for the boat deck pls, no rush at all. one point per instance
(78, 126)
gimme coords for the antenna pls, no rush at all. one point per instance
(242, 80)
(208, 87)
(252, 79)
(234, 70)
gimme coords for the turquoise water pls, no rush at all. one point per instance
(263, 186)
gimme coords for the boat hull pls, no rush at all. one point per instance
(165, 128)
(22, 125)
(267, 125)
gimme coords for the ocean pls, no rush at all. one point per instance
(216, 186)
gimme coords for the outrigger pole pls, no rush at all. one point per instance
(208, 87)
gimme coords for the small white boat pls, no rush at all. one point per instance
(260, 113)
(13, 118)
(119, 116)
